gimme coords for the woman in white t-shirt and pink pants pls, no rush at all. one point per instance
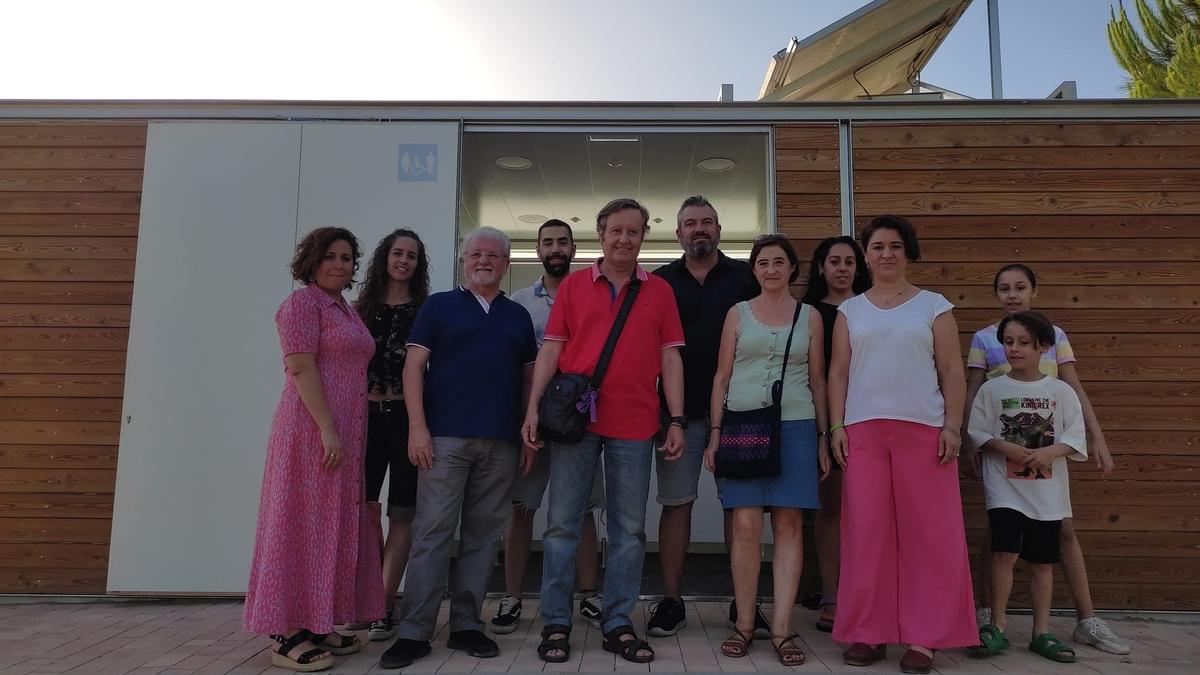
(905, 576)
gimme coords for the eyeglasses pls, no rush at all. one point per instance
(477, 256)
(765, 238)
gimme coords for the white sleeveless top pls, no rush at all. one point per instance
(892, 371)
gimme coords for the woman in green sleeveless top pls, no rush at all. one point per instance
(753, 343)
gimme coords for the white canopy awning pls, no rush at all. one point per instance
(878, 49)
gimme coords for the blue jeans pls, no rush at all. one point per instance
(627, 486)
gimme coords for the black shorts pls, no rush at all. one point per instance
(387, 446)
(1015, 532)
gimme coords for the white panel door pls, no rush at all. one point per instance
(372, 178)
(218, 228)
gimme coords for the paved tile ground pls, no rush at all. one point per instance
(206, 637)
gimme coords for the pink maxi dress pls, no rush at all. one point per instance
(317, 551)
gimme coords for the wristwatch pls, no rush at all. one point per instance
(679, 421)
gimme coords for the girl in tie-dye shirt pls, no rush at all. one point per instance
(1016, 287)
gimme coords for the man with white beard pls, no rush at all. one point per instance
(464, 414)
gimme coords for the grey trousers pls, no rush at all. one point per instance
(471, 478)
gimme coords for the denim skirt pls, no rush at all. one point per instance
(795, 487)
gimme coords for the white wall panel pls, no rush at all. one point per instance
(218, 227)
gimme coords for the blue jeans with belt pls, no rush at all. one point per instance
(627, 486)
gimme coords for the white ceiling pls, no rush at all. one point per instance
(572, 177)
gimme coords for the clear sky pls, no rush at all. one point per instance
(550, 50)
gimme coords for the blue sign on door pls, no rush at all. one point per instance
(419, 162)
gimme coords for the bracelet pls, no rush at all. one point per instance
(822, 434)
(715, 427)
(952, 430)
(677, 424)
(836, 427)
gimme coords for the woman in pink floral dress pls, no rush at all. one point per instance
(316, 555)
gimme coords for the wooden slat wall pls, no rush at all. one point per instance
(1106, 214)
(69, 201)
(808, 209)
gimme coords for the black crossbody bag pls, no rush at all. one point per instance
(569, 401)
(749, 446)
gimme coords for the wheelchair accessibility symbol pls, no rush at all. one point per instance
(418, 162)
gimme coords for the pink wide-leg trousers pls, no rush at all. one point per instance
(905, 577)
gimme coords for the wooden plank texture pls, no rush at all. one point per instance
(1036, 159)
(70, 197)
(1105, 213)
(66, 270)
(1010, 135)
(77, 159)
(62, 385)
(59, 408)
(54, 316)
(70, 180)
(68, 225)
(1065, 272)
(63, 362)
(72, 482)
(58, 456)
(70, 202)
(90, 292)
(989, 203)
(57, 248)
(79, 339)
(1051, 226)
(54, 134)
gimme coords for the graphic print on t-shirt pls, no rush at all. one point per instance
(1026, 427)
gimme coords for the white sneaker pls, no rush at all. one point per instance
(983, 616)
(1096, 633)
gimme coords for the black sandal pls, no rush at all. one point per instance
(549, 644)
(627, 649)
(347, 644)
(310, 661)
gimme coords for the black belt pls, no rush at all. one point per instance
(389, 405)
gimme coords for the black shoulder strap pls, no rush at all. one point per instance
(610, 345)
(777, 389)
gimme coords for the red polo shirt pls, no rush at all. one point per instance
(582, 316)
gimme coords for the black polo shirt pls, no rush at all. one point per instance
(702, 309)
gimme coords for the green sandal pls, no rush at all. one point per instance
(1052, 648)
(991, 641)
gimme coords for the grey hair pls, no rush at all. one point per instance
(488, 233)
(696, 200)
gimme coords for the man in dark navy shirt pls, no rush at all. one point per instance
(464, 416)
(707, 283)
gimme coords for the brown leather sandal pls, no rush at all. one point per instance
(788, 651)
(737, 645)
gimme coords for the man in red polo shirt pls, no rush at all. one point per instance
(625, 423)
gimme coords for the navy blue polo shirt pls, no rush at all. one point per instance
(477, 360)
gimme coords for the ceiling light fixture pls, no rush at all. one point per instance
(532, 218)
(715, 164)
(514, 162)
(614, 139)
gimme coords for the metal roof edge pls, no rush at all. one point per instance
(591, 112)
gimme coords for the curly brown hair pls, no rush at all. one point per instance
(312, 248)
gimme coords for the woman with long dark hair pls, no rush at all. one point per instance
(837, 273)
(396, 286)
(316, 560)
